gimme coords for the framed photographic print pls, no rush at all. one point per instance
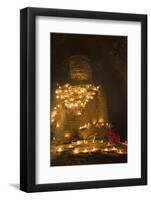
(83, 99)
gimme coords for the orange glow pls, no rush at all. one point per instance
(120, 151)
(67, 135)
(85, 151)
(79, 142)
(106, 150)
(59, 149)
(75, 151)
(94, 149)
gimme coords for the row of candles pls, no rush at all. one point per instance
(76, 149)
(98, 124)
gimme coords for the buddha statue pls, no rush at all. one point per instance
(80, 109)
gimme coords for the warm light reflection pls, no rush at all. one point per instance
(57, 125)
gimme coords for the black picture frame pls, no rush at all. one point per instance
(28, 98)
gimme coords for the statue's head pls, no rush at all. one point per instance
(79, 69)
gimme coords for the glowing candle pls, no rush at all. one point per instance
(78, 113)
(85, 151)
(79, 142)
(60, 149)
(114, 149)
(120, 151)
(94, 149)
(70, 146)
(67, 135)
(75, 151)
(106, 150)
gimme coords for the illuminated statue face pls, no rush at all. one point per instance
(80, 69)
